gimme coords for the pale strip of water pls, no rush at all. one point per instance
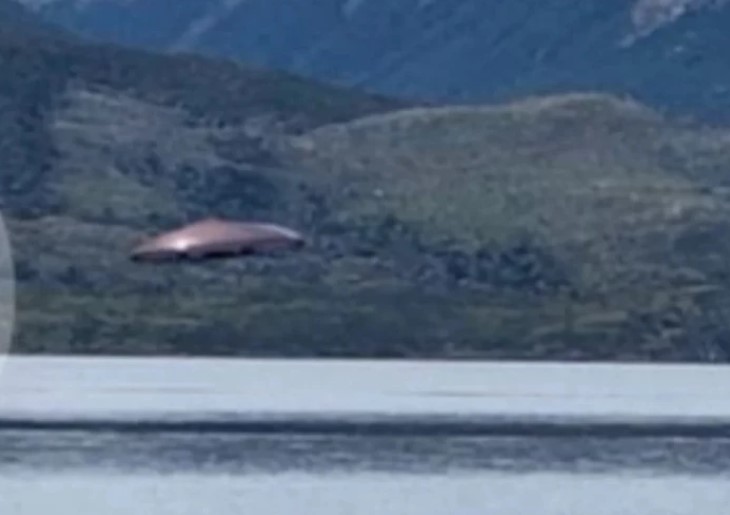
(151, 388)
(382, 494)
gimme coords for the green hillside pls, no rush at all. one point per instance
(579, 226)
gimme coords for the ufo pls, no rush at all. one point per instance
(215, 238)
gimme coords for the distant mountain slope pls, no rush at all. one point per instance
(669, 53)
(573, 226)
(18, 19)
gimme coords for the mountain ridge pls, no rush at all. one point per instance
(667, 53)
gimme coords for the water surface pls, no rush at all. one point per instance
(178, 465)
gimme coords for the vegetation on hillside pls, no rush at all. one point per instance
(577, 226)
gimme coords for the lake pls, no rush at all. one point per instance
(182, 436)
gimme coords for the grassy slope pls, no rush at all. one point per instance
(619, 209)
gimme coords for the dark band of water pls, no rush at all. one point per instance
(390, 426)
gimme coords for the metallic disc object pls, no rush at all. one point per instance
(216, 238)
